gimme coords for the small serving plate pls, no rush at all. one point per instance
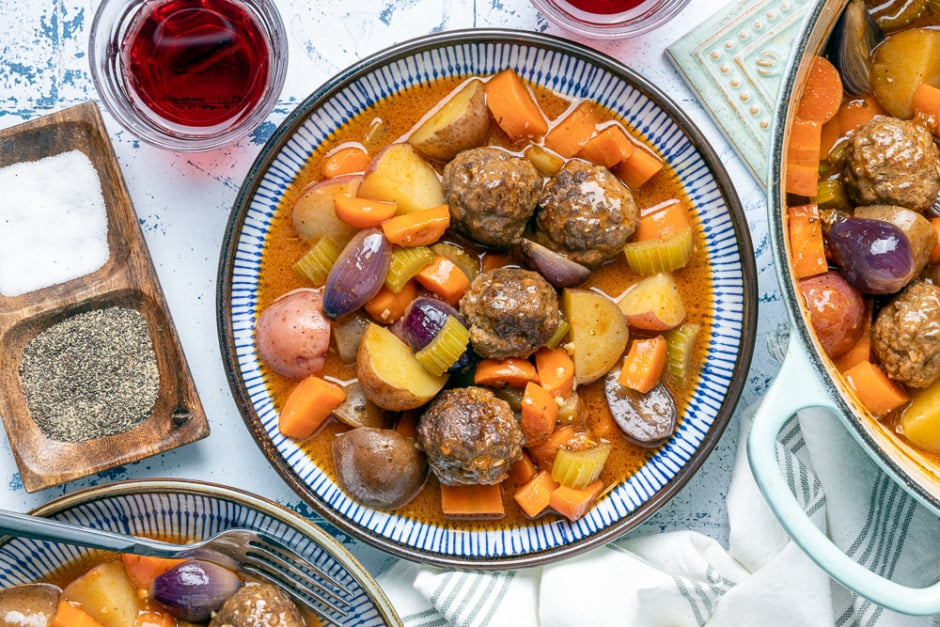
(127, 279)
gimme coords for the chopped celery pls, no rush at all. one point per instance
(460, 258)
(446, 348)
(406, 262)
(831, 194)
(654, 255)
(559, 335)
(578, 469)
(316, 263)
(547, 163)
(680, 342)
(569, 412)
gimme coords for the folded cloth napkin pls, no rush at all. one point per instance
(686, 578)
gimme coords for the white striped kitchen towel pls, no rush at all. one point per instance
(685, 578)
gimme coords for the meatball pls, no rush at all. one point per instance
(470, 436)
(258, 605)
(510, 312)
(492, 194)
(586, 213)
(892, 161)
(906, 335)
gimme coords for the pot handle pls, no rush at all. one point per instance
(779, 404)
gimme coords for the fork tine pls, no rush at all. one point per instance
(275, 551)
(308, 595)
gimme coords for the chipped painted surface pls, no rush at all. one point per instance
(183, 202)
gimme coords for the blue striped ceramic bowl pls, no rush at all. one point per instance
(185, 511)
(577, 72)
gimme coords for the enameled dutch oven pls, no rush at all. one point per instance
(808, 370)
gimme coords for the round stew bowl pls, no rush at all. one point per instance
(576, 72)
(186, 511)
(808, 368)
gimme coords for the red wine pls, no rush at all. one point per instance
(604, 7)
(197, 62)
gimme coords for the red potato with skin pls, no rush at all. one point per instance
(314, 213)
(293, 334)
(836, 310)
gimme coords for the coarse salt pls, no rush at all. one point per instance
(53, 222)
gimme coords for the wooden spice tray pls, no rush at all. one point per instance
(127, 279)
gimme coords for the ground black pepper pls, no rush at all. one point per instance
(91, 375)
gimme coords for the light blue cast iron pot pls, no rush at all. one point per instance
(808, 379)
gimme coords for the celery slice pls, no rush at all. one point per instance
(446, 348)
(460, 258)
(679, 345)
(547, 163)
(653, 255)
(577, 469)
(559, 335)
(406, 262)
(316, 263)
(831, 195)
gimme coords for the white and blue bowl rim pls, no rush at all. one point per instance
(576, 72)
(183, 510)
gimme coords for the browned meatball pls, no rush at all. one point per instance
(470, 436)
(892, 161)
(906, 335)
(586, 213)
(510, 312)
(492, 194)
(258, 605)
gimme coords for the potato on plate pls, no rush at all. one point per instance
(106, 594)
(293, 335)
(462, 122)
(314, 216)
(598, 335)
(653, 303)
(399, 174)
(379, 467)
(389, 374)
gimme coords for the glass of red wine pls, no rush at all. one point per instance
(609, 18)
(188, 75)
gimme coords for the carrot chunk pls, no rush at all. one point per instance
(610, 146)
(534, 496)
(512, 371)
(142, 569)
(539, 413)
(879, 394)
(639, 168)
(513, 106)
(803, 158)
(68, 615)
(573, 503)
(308, 406)
(344, 160)
(443, 277)
(807, 247)
(573, 131)
(644, 364)
(417, 228)
(472, 501)
(822, 92)
(555, 370)
(363, 213)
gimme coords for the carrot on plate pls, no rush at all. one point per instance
(472, 501)
(522, 470)
(407, 424)
(308, 406)
(926, 102)
(512, 371)
(858, 111)
(535, 495)
(539, 413)
(807, 247)
(68, 615)
(611, 145)
(417, 228)
(555, 370)
(662, 223)
(388, 306)
(861, 350)
(344, 160)
(443, 277)
(573, 503)
(822, 92)
(879, 394)
(363, 213)
(644, 364)
(638, 168)
(513, 106)
(141, 569)
(543, 453)
(569, 134)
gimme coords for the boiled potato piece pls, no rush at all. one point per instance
(598, 334)
(293, 335)
(653, 303)
(462, 122)
(314, 216)
(920, 422)
(106, 594)
(837, 311)
(358, 411)
(900, 63)
(399, 174)
(389, 374)
(379, 467)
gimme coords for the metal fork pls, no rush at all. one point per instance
(250, 551)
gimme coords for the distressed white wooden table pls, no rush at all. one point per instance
(183, 203)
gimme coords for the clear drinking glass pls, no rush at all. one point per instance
(609, 18)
